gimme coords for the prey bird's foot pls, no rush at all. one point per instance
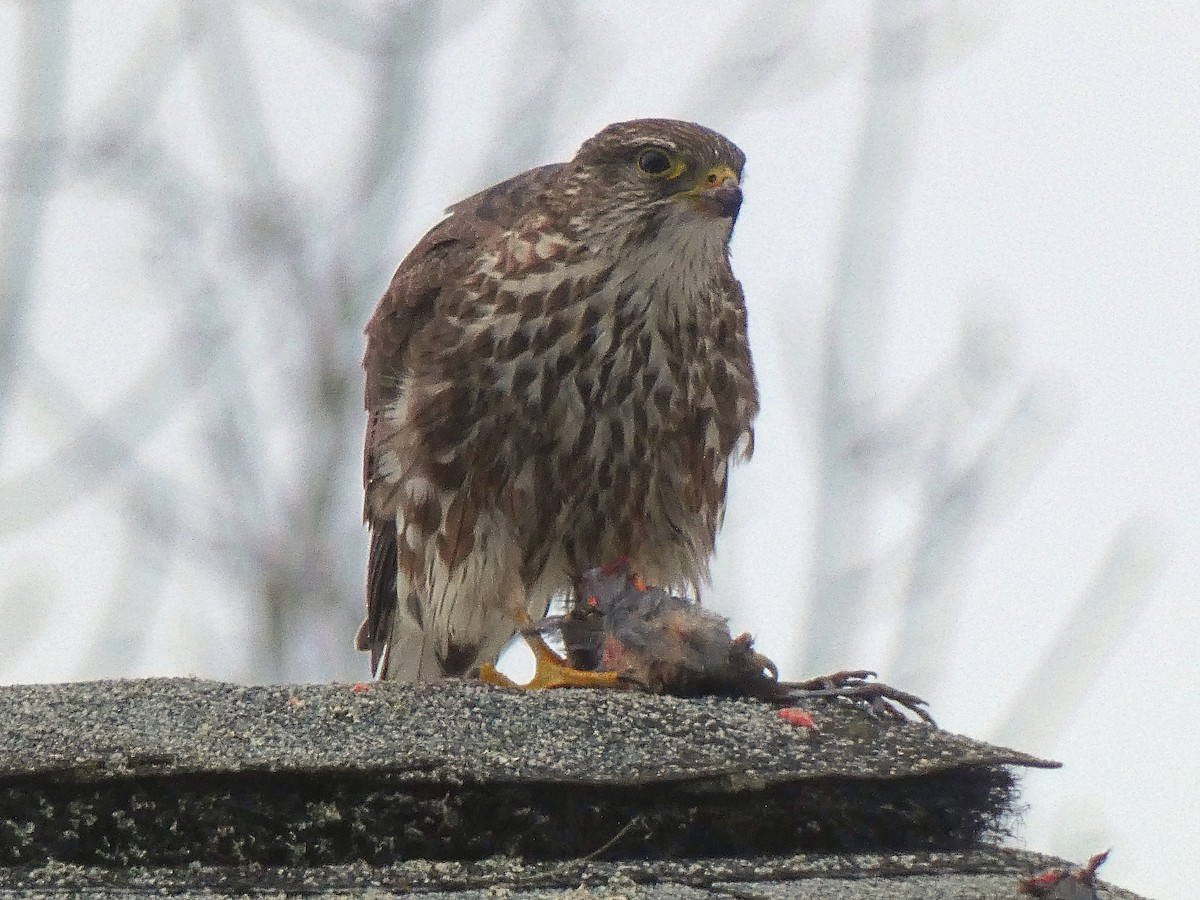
(833, 681)
(766, 665)
(550, 671)
(884, 701)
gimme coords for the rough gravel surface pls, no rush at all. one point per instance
(115, 729)
(197, 788)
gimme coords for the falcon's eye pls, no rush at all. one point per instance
(654, 161)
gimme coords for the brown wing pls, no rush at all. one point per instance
(430, 276)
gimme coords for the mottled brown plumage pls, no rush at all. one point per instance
(557, 375)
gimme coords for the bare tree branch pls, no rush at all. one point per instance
(770, 54)
(1099, 622)
(404, 49)
(102, 444)
(958, 504)
(854, 330)
(39, 123)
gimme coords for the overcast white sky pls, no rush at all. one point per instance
(1054, 197)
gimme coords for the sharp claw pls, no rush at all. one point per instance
(550, 671)
(766, 664)
(883, 700)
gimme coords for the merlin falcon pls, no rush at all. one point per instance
(557, 376)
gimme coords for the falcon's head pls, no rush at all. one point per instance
(649, 178)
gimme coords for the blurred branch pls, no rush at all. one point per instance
(232, 92)
(959, 27)
(26, 595)
(39, 123)
(770, 55)
(131, 105)
(550, 78)
(404, 49)
(118, 640)
(853, 346)
(957, 504)
(945, 409)
(1098, 624)
(347, 25)
(103, 444)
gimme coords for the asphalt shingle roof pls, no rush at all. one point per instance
(181, 785)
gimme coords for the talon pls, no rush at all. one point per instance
(883, 700)
(550, 671)
(767, 665)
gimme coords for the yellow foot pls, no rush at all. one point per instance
(551, 671)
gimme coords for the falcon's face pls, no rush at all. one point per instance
(635, 180)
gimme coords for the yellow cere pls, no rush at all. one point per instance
(710, 179)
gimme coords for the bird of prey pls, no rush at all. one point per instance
(557, 375)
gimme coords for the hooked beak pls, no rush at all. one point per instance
(717, 193)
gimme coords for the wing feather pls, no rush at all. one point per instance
(429, 279)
